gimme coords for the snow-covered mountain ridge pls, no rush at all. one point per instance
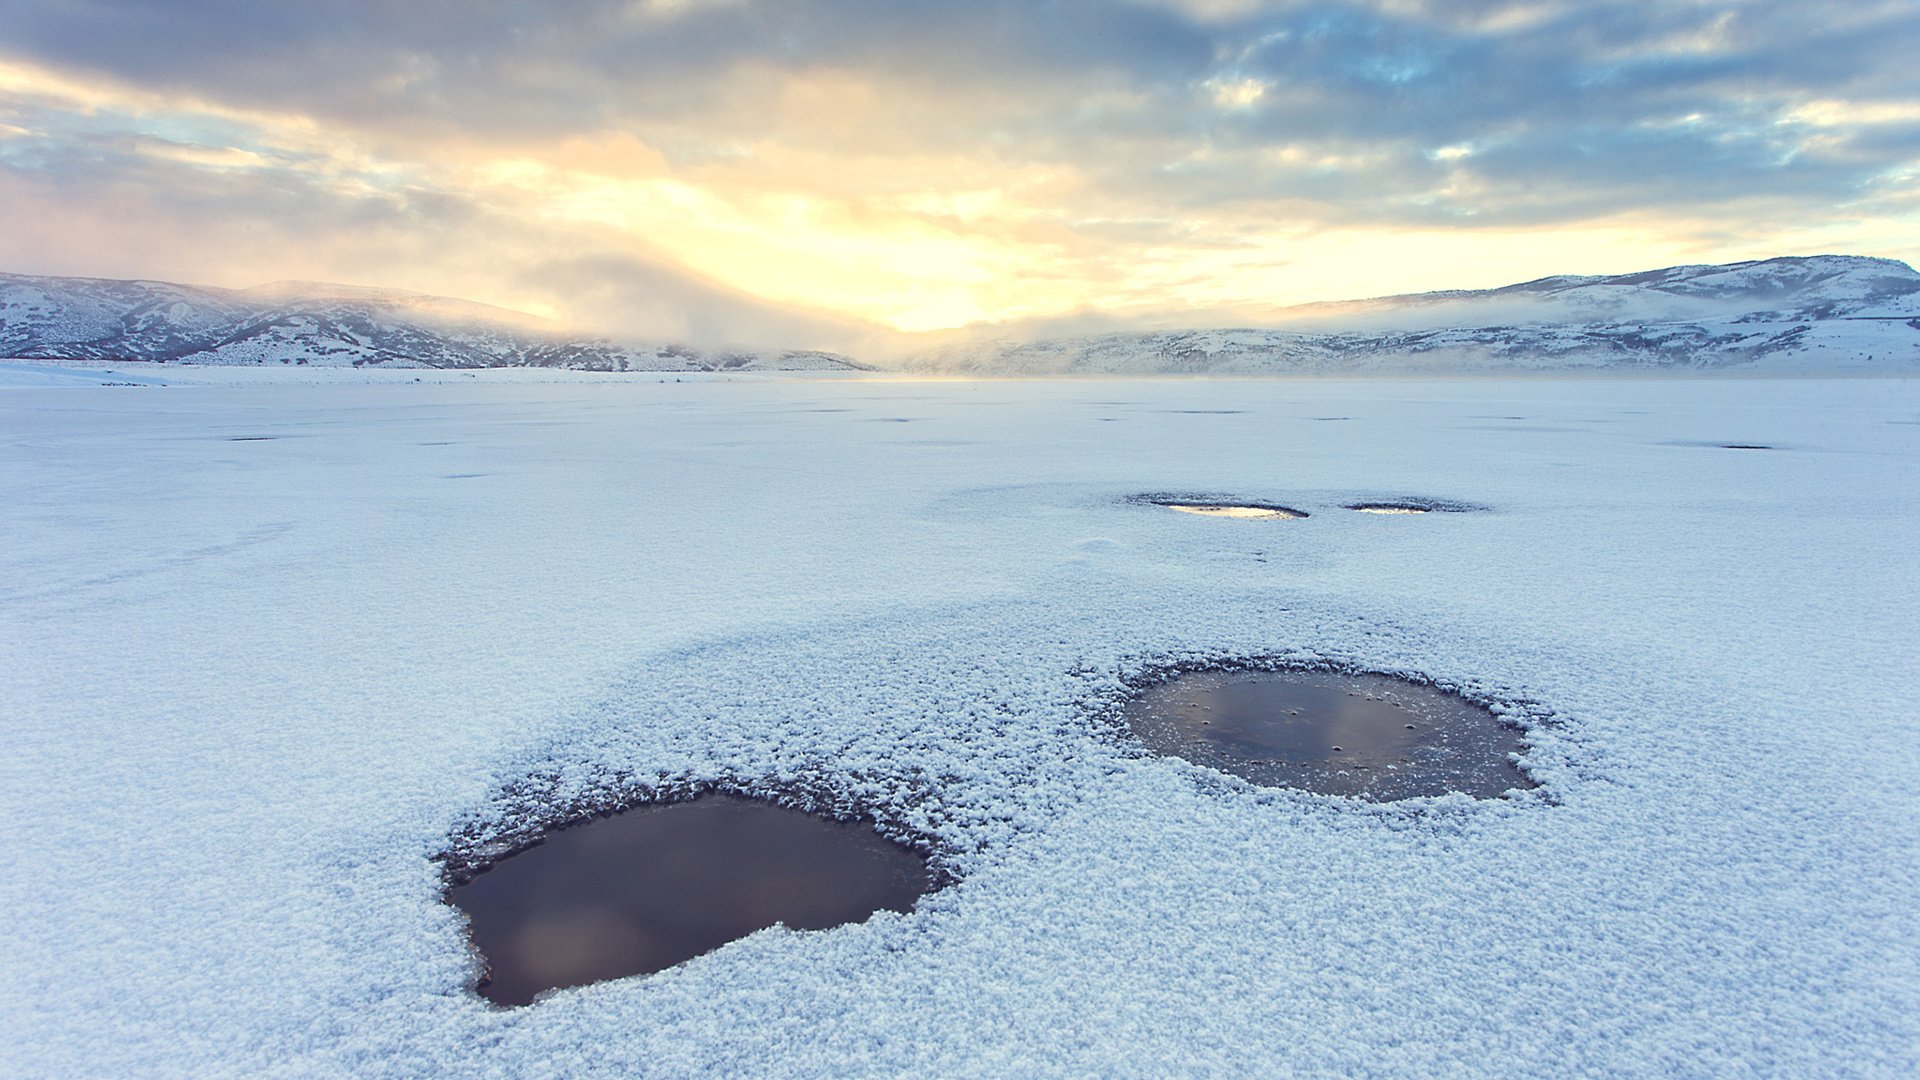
(1830, 314)
(1823, 314)
(62, 318)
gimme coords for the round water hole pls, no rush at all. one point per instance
(657, 885)
(1361, 735)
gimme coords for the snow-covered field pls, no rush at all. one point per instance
(251, 688)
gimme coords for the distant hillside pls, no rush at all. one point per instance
(1827, 314)
(1831, 313)
(53, 318)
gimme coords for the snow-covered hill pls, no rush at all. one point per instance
(49, 318)
(1826, 314)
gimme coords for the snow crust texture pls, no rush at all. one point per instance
(271, 651)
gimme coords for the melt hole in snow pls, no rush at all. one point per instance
(1411, 506)
(1361, 735)
(1236, 511)
(1213, 508)
(651, 887)
(1721, 445)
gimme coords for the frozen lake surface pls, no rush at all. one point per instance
(270, 649)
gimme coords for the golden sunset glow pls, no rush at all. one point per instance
(819, 199)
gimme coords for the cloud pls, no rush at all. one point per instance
(918, 164)
(649, 300)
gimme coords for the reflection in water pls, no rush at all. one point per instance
(657, 885)
(1367, 736)
(1212, 510)
(1411, 506)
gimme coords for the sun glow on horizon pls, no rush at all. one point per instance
(858, 192)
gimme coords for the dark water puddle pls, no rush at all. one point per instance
(657, 885)
(1238, 510)
(1720, 445)
(1410, 506)
(1226, 508)
(1367, 736)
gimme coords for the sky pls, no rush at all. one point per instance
(842, 171)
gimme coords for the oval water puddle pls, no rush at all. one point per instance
(1390, 508)
(1222, 508)
(657, 885)
(1411, 506)
(1230, 511)
(1367, 736)
(1709, 445)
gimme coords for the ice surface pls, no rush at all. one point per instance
(16, 375)
(252, 688)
